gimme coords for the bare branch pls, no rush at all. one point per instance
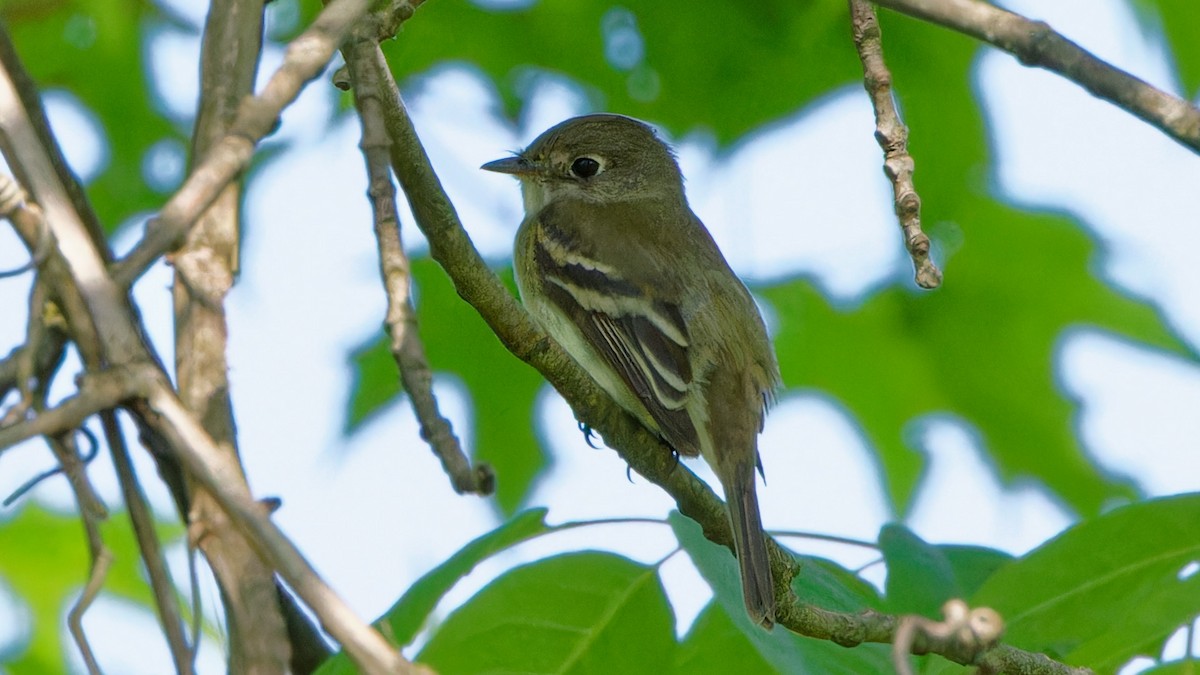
(892, 136)
(91, 512)
(97, 392)
(102, 559)
(205, 269)
(366, 68)
(1035, 43)
(150, 547)
(305, 58)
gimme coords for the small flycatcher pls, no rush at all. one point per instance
(615, 266)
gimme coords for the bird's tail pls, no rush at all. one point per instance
(758, 588)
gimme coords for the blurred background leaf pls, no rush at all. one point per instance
(44, 557)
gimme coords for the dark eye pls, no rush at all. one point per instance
(585, 167)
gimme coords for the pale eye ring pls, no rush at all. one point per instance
(585, 167)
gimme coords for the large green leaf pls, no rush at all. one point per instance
(1107, 589)
(414, 608)
(920, 578)
(820, 582)
(44, 560)
(95, 50)
(576, 613)
(502, 389)
(716, 646)
(973, 565)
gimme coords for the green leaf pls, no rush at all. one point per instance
(1106, 590)
(973, 565)
(45, 562)
(1175, 20)
(716, 646)
(94, 50)
(502, 389)
(416, 606)
(376, 382)
(820, 582)
(920, 578)
(576, 613)
(729, 68)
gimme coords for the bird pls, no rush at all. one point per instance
(612, 262)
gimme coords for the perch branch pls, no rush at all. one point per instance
(101, 559)
(366, 72)
(1035, 43)
(892, 136)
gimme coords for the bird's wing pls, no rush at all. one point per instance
(643, 339)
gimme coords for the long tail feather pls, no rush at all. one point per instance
(758, 588)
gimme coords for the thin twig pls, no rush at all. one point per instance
(401, 322)
(31, 367)
(91, 512)
(1035, 43)
(140, 516)
(12, 198)
(892, 136)
(305, 58)
(101, 560)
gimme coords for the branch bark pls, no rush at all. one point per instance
(1035, 43)
(892, 136)
(366, 67)
(205, 269)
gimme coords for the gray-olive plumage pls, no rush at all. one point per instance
(613, 263)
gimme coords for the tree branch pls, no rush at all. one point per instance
(99, 391)
(305, 59)
(892, 136)
(205, 268)
(366, 66)
(1035, 43)
(142, 519)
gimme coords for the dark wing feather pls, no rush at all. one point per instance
(644, 341)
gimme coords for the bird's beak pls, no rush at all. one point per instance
(517, 166)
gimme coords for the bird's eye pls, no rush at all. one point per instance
(585, 167)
